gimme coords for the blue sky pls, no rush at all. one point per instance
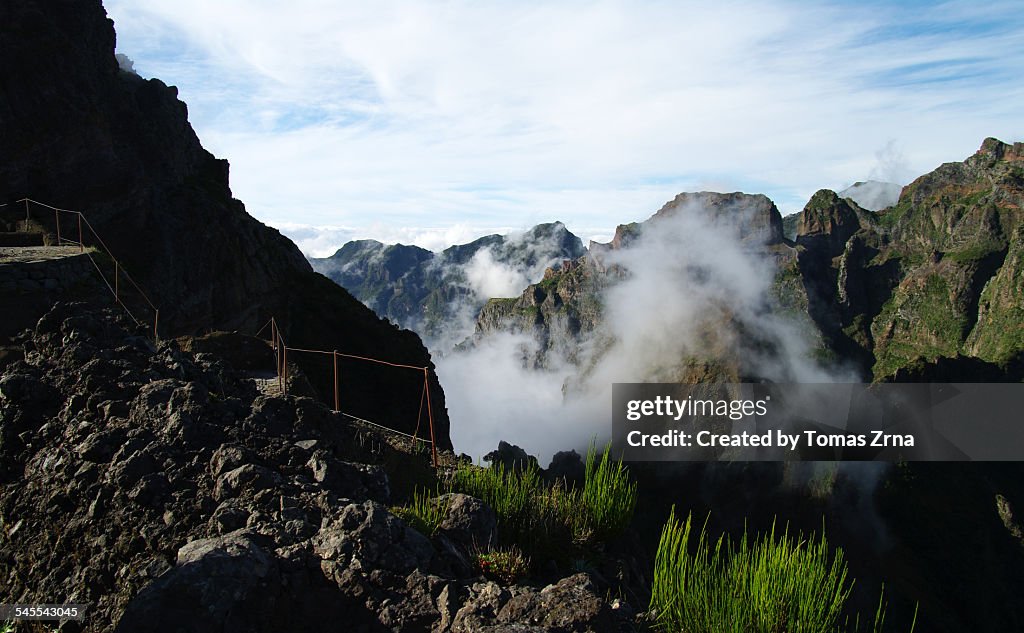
(436, 122)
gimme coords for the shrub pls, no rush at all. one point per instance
(505, 565)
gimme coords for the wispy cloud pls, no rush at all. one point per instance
(420, 115)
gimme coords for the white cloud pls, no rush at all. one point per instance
(490, 278)
(323, 241)
(431, 114)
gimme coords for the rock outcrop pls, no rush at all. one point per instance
(83, 134)
(161, 488)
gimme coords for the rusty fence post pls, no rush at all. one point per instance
(56, 219)
(430, 414)
(81, 242)
(337, 401)
(156, 323)
(285, 366)
(117, 294)
(277, 353)
(419, 414)
(27, 215)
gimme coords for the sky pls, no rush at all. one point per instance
(433, 123)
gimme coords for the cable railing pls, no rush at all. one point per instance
(79, 221)
(281, 350)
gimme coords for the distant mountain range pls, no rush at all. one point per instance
(439, 294)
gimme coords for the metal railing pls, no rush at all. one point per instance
(81, 222)
(281, 350)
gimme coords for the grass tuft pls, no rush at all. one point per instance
(551, 522)
(609, 496)
(424, 513)
(775, 583)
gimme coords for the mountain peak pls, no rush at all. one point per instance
(999, 150)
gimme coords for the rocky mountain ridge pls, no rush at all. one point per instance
(565, 313)
(434, 293)
(933, 279)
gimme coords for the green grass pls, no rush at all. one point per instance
(551, 522)
(772, 584)
(510, 493)
(424, 513)
(609, 496)
(974, 252)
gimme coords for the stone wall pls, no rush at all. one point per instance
(47, 274)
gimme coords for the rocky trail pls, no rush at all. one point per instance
(163, 489)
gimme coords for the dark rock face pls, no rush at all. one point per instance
(85, 135)
(510, 457)
(432, 293)
(160, 487)
(222, 580)
(928, 281)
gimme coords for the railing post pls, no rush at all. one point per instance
(430, 415)
(419, 414)
(277, 353)
(156, 323)
(56, 219)
(27, 217)
(117, 294)
(81, 242)
(337, 401)
(284, 369)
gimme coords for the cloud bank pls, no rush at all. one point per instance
(691, 288)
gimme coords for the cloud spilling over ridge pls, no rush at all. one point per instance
(490, 278)
(692, 286)
(500, 269)
(691, 289)
(491, 395)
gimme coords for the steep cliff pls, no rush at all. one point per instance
(80, 133)
(936, 277)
